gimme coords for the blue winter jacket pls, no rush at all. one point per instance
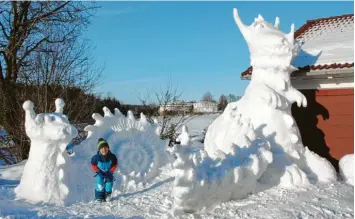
(104, 163)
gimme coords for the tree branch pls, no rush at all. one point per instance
(45, 15)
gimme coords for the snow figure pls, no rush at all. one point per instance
(346, 168)
(44, 178)
(267, 102)
(139, 150)
(202, 181)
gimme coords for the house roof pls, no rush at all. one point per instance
(327, 43)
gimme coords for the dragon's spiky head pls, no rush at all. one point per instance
(269, 47)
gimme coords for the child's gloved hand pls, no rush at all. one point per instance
(109, 175)
(101, 174)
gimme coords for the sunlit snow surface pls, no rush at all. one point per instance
(320, 201)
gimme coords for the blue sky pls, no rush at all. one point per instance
(195, 46)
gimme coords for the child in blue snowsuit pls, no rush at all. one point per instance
(104, 164)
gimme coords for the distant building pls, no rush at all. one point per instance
(176, 107)
(196, 107)
(205, 107)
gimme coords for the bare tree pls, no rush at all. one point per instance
(173, 112)
(67, 71)
(222, 102)
(232, 98)
(28, 30)
(207, 97)
(165, 98)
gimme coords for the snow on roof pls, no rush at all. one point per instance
(333, 38)
(326, 43)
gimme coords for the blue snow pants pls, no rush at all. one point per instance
(102, 187)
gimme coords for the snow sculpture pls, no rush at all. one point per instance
(136, 143)
(44, 178)
(267, 102)
(51, 176)
(202, 182)
(346, 168)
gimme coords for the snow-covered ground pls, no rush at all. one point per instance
(196, 125)
(322, 201)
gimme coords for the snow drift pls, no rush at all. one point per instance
(12, 172)
(346, 168)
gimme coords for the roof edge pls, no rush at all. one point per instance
(329, 18)
(331, 71)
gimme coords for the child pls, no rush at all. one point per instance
(104, 164)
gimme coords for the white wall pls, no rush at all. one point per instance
(330, 83)
(205, 107)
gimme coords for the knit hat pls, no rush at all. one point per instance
(102, 143)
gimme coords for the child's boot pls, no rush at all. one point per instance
(99, 196)
(108, 196)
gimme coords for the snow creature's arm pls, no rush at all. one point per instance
(294, 95)
(114, 163)
(94, 164)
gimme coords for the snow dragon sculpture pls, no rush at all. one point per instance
(255, 144)
(44, 178)
(267, 102)
(202, 182)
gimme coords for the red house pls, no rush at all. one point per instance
(326, 78)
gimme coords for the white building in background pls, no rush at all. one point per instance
(205, 107)
(199, 107)
(176, 107)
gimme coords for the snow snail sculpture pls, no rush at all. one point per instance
(255, 143)
(139, 150)
(57, 178)
(44, 172)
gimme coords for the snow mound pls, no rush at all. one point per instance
(346, 168)
(319, 168)
(43, 178)
(12, 172)
(136, 143)
(202, 181)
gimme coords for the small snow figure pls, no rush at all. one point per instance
(104, 164)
